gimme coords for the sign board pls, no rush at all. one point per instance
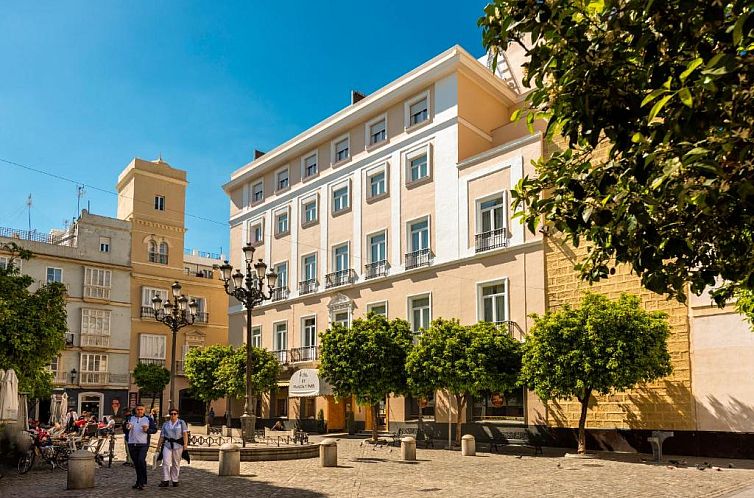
(133, 399)
(306, 383)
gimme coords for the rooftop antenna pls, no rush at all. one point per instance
(80, 191)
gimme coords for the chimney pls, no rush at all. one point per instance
(257, 154)
(356, 96)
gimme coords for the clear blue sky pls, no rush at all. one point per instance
(86, 86)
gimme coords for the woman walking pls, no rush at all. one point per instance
(173, 440)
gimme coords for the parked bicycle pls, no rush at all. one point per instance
(103, 446)
(42, 448)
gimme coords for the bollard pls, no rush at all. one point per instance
(328, 453)
(468, 445)
(229, 460)
(408, 449)
(81, 470)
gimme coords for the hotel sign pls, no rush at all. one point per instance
(306, 383)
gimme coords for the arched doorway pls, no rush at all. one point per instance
(192, 409)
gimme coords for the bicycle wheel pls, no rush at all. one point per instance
(26, 461)
(111, 452)
(61, 457)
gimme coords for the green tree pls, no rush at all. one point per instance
(201, 369)
(655, 100)
(600, 347)
(151, 378)
(464, 361)
(231, 374)
(366, 360)
(32, 324)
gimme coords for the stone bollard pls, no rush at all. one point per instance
(468, 445)
(229, 460)
(408, 449)
(81, 470)
(328, 453)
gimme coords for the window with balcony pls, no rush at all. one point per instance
(418, 244)
(340, 201)
(491, 224)
(310, 212)
(147, 294)
(256, 336)
(342, 273)
(493, 301)
(341, 150)
(54, 275)
(159, 202)
(282, 179)
(419, 312)
(95, 327)
(378, 308)
(309, 349)
(256, 233)
(309, 272)
(281, 223)
(281, 341)
(202, 316)
(377, 265)
(377, 185)
(377, 132)
(97, 283)
(310, 166)
(152, 349)
(418, 112)
(281, 291)
(93, 369)
(104, 244)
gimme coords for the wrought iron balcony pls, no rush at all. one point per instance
(492, 239)
(307, 353)
(282, 356)
(308, 286)
(153, 361)
(422, 257)
(201, 317)
(279, 293)
(377, 269)
(338, 278)
(146, 312)
(95, 340)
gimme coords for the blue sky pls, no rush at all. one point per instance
(86, 86)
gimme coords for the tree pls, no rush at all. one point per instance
(32, 325)
(745, 304)
(366, 360)
(231, 374)
(201, 369)
(151, 378)
(464, 361)
(599, 347)
(656, 102)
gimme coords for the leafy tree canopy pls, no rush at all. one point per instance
(32, 325)
(231, 373)
(656, 101)
(151, 378)
(202, 365)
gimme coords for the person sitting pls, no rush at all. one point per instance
(278, 426)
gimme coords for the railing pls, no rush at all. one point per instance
(422, 257)
(282, 356)
(152, 361)
(94, 378)
(202, 254)
(146, 312)
(199, 272)
(60, 376)
(491, 240)
(279, 293)
(307, 353)
(513, 329)
(34, 236)
(338, 278)
(69, 338)
(201, 317)
(308, 286)
(377, 269)
(95, 340)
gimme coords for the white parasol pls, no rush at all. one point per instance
(2, 388)
(9, 398)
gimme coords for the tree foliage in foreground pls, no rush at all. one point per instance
(231, 373)
(366, 360)
(600, 347)
(32, 325)
(201, 369)
(667, 88)
(464, 361)
(151, 378)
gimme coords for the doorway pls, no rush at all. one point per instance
(92, 403)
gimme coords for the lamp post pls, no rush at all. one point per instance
(173, 314)
(249, 289)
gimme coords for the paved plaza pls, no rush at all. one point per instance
(367, 471)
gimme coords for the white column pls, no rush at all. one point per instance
(295, 223)
(396, 233)
(357, 262)
(324, 218)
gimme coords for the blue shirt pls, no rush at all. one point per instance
(174, 431)
(137, 435)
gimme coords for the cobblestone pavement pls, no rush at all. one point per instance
(367, 471)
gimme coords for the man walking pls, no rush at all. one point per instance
(138, 427)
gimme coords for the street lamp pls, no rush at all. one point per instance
(248, 288)
(173, 314)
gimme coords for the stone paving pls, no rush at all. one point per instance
(367, 471)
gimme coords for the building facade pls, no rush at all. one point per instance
(92, 259)
(398, 204)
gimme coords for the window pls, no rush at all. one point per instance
(310, 267)
(158, 253)
(419, 235)
(282, 223)
(377, 184)
(419, 313)
(340, 199)
(152, 347)
(310, 166)
(281, 336)
(507, 405)
(256, 337)
(55, 365)
(104, 244)
(377, 248)
(282, 271)
(282, 179)
(418, 168)
(148, 293)
(418, 112)
(256, 233)
(4, 262)
(491, 215)
(201, 308)
(257, 192)
(95, 322)
(377, 132)
(341, 150)
(152, 250)
(493, 299)
(341, 257)
(310, 212)
(309, 329)
(97, 283)
(159, 202)
(54, 275)
(342, 318)
(164, 253)
(378, 308)
(93, 362)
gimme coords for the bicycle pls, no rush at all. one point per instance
(97, 445)
(42, 448)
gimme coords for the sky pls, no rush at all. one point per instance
(87, 86)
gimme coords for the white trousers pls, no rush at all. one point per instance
(171, 462)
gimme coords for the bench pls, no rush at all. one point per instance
(656, 440)
(287, 436)
(524, 439)
(416, 433)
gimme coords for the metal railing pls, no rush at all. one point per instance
(306, 353)
(513, 329)
(422, 257)
(492, 239)
(146, 312)
(95, 340)
(94, 378)
(377, 269)
(282, 356)
(201, 317)
(199, 272)
(60, 376)
(152, 361)
(308, 286)
(338, 278)
(34, 236)
(202, 254)
(279, 293)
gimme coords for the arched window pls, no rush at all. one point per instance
(164, 253)
(153, 255)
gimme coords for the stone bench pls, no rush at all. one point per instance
(656, 440)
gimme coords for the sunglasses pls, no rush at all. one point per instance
(174, 413)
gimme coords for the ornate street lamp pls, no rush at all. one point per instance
(249, 289)
(173, 314)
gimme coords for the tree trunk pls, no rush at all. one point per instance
(460, 404)
(582, 419)
(206, 413)
(421, 413)
(151, 406)
(375, 417)
(229, 411)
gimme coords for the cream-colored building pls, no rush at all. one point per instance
(399, 204)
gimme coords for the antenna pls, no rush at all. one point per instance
(80, 191)
(28, 205)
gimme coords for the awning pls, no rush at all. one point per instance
(306, 383)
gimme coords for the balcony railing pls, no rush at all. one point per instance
(307, 353)
(33, 235)
(378, 269)
(282, 356)
(279, 293)
(146, 312)
(338, 278)
(86, 378)
(199, 272)
(201, 317)
(422, 257)
(95, 340)
(513, 329)
(493, 239)
(308, 286)
(153, 361)
(60, 376)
